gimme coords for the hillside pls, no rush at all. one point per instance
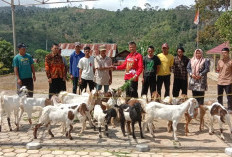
(36, 25)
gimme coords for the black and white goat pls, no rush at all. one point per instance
(103, 117)
(11, 104)
(217, 111)
(131, 114)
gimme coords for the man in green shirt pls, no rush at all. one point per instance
(24, 68)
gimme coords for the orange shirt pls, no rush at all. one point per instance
(54, 66)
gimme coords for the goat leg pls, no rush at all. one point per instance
(187, 119)
(202, 113)
(69, 132)
(133, 129)
(170, 126)
(222, 136)
(99, 132)
(123, 128)
(112, 122)
(106, 130)
(141, 132)
(8, 120)
(128, 128)
(49, 130)
(37, 126)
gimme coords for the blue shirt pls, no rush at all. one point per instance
(23, 63)
(74, 60)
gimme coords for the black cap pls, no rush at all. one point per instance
(21, 45)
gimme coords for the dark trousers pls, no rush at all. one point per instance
(84, 84)
(57, 85)
(28, 82)
(166, 80)
(75, 84)
(228, 90)
(199, 95)
(179, 84)
(132, 91)
(149, 81)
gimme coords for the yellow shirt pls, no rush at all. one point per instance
(166, 64)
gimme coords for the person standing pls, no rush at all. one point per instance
(180, 73)
(66, 69)
(86, 70)
(151, 64)
(24, 69)
(224, 68)
(103, 73)
(198, 67)
(74, 60)
(164, 73)
(55, 71)
(134, 67)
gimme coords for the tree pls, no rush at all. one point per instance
(40, 56)
(6, 57)
(224, 24)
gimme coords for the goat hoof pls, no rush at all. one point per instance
(10, 129)
(66, 134)
(100, 136)
(211, 133)
(107, 134)
(35, 137)
(124, 135)
(142, 137)
(70, 138)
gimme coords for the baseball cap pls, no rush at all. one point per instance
(77, 44)
(21, 45)
(102, 48)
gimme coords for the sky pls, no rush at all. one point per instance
(112, 5)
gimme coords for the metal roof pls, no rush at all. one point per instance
(218, 49)
(68, 48)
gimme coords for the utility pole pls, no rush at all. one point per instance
(230, 4)
(13, 25)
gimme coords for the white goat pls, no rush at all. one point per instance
(155, 110)
(30, 105)
(11, 104)
(219, 112)
(56, 114)
(103, 118)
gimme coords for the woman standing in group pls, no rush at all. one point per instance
(198, 67)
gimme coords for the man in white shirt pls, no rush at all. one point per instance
(86, 70)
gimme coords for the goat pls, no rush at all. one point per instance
(219, 112)
(64, 114)
(30, 105)
(102, 116)
(9, 104)
(82, 113)
(172, 113)
(131, 114)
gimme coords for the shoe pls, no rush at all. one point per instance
(230, 111)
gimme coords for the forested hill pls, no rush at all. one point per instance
(149, 26)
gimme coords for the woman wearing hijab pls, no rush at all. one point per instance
(198, 67)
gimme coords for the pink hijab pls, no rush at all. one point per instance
(196, 64)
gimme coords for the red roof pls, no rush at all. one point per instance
(218, 49)
(68, 48)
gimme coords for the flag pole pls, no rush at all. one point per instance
(197, 36)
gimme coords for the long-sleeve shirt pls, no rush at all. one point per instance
(180, 67)
(74, 60)
(133, 65)
(54, 66)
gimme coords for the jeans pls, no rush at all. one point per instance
(132, 91)
(149, 81)
(228, 90)
(166, 80)
(75, 84)
(57, 85)
(84, 84)
(179, 84)
(99, 87)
